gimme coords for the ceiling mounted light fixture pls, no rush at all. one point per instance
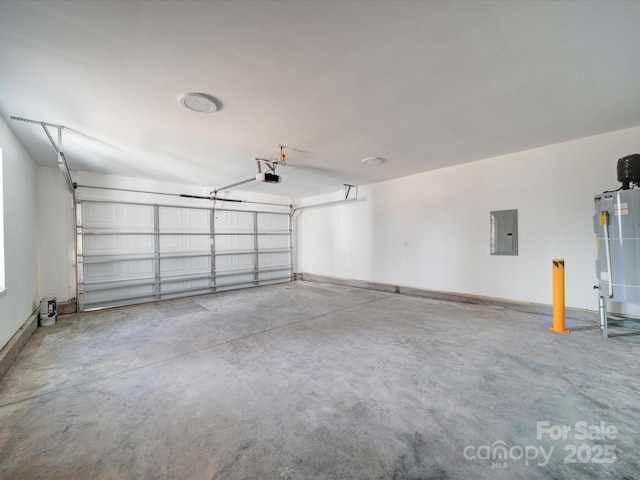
(372, 161)
(199, 102)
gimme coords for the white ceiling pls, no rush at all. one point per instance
(424, 85)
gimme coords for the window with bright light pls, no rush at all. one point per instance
(2, 284)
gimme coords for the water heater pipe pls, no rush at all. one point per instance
(604, 221)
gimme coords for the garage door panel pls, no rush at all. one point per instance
(101, 272)
(137, 216)
(100, 244)
(118, 271)
(185, 293)
(244, 278)
(273, 259)
(273, 241)
(137, 243)
(187, 285)
(117, 217)
(232, 221)
(117, 244)
(274, 276)
(273, 222)
(234, 242)
(119, 294)
(185, 265)
(170, 218)
(184, 220)
(228, 263)
(184, 243)
(97, 214)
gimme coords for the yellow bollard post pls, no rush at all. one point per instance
(558, 297)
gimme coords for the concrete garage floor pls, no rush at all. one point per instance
(316, 381)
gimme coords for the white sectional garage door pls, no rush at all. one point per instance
(132, 253)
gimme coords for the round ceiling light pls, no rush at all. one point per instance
(199, 102)
(371, 161)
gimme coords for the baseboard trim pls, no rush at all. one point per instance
(535, 308)
(11, 350)
(66, 308)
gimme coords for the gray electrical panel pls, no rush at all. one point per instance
(504, 232)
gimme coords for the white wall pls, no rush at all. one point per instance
(19, 188)
(56, 255)
(431, 230)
